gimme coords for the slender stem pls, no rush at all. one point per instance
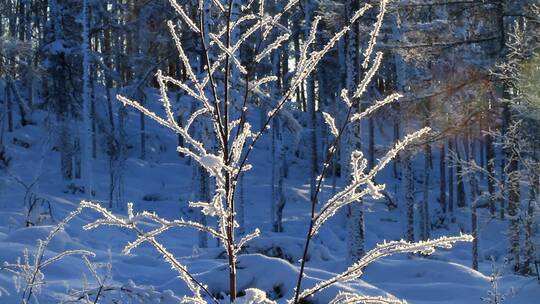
(41, 252)
(217, 111)
(273, 113)
(270, 117)
(329, 157)
(155, 244)
(98, 294)
(229, 188)
(243, 113)
(250, 66)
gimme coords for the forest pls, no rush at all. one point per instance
(270, 151)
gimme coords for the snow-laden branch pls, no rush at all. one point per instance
(193, 117)
(361, 178)
(254, 85)
(375, 33)
(181, 53)
(309, 41)
(182, 13)
(235, 24)
(166, 123)
(272, 46)
(277, 17)
(198, 96)
(362, 87)
(353, 298)
(377, 105)
(27, 272)
(212, 163)
(228, 52)
(223, 55)
(93, 270)
(237, 148)
(386, 249)
(131, 221)
(219, 5)
(66, 253)
(331, 122)
(302, 72)
(306, 63)
(255, 234)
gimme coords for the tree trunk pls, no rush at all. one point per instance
(93, 115)
(371, 142)
(24, 110)
(355, 232)
(425, 219)
(460, 191)
(273, 196)
(474, 233)
(142, 133)
(280, 194)
(86, 147)
(490, 164)
(513, 209)
(408, 185)
(442, 184)
(473, 183)
(66, 149)
(9, 110)
(451, 176)
(204, 196)
(534, 185)
(312, 108)
(397, 159)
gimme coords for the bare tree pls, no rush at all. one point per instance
(215, 91)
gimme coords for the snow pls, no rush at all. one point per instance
(268, 263)
(212, 162)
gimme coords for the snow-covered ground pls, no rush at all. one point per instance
(269, 263)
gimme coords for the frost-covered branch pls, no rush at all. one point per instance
(303, 69)
(358, 163)
(254, 85)
(375, 33)
(182, 13)
(330, 121)
(27, 272)
(362, 87)
(229, 52)
(248, 238)
(378, 104)
(271, 47)
(88, 292)
(64, 254)
(131, 221)
(361, 178)
(353, 298)
(277, 17)
(386, 249)
(126, 293)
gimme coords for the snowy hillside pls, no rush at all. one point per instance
(269, 152)
(164, 183)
